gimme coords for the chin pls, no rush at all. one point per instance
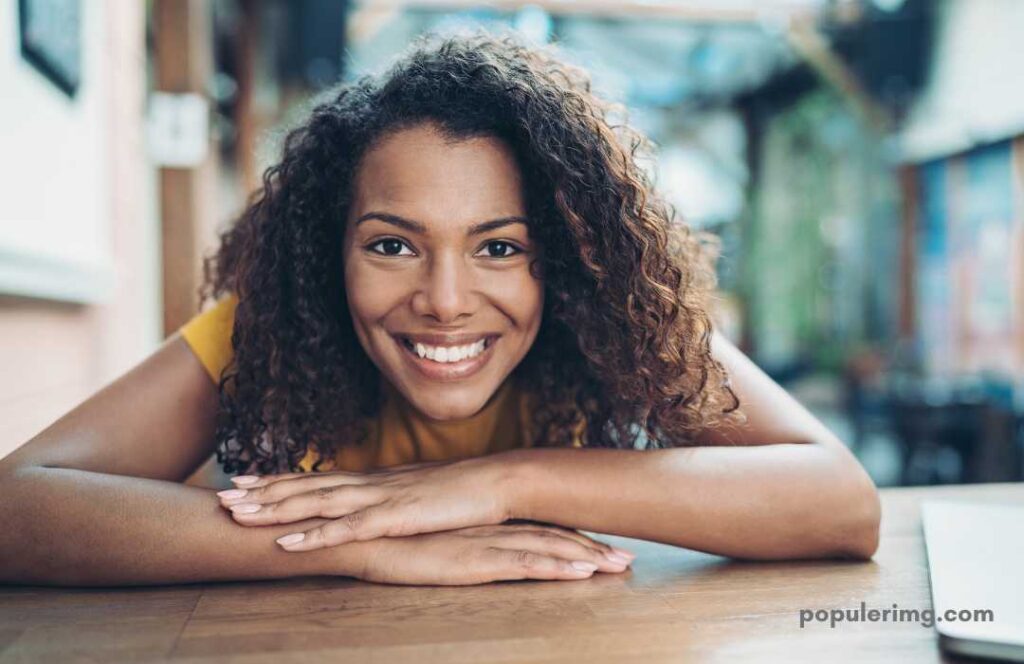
(450, 403)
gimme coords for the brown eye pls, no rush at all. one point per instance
(389, 247)
(501, 249)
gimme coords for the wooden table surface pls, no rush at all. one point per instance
(673, 605)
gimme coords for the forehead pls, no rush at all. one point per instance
(420, 172)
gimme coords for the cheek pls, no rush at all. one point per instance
(523, 298)
(369, 295)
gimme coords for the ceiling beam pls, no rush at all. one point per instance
(805, 39)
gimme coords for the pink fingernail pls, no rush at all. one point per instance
(584, 566)
(617, 559)
(232, 493)
(288, 540)
(245, 508)
(245, 479)
(624, 553)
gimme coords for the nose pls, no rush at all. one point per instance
(446, 293)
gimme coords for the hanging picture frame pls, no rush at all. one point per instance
(50, 33)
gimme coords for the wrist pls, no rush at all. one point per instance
(349, 559)
(513, 480)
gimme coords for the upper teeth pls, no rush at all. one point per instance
(450, 353)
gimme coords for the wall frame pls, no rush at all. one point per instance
(50, 33)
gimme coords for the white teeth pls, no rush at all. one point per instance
(448, 354)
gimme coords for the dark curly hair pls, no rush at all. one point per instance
(624, 343)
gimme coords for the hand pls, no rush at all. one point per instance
(481, 554)
(390, 502)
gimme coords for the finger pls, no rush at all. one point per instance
(555, 544)
(365, 524)
(329, 502)
(407, 466)
(538, 527)
(510, 564)
(281, 489)
(590, 541)
(253, 481)
(565, 532)
(247, 481)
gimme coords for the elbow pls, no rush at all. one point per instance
(865, 537)
(844, 519)
(861, 529)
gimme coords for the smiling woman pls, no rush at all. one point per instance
(456, 324)
(473, 200)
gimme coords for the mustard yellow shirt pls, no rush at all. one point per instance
(399, 434)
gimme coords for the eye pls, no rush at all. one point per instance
(501, 249)
(389, 247)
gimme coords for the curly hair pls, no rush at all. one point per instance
(623, 350)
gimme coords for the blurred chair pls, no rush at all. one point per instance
(950, 432)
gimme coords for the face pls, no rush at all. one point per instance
(437, 275)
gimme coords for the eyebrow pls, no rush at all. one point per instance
(419, 227)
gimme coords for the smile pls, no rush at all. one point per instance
(447, 353)
(447, 362)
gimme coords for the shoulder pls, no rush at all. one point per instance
(208, 334)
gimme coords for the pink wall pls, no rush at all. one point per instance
(54, 355)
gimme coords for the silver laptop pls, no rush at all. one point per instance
(976, 566)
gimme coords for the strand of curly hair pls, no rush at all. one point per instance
(624, 345)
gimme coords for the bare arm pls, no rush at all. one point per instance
(96, 498)
(782, 486)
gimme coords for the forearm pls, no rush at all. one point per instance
(74, 527)
(766, 501)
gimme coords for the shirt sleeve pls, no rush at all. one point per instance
(208, 334)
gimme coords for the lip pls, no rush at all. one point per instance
(441, 339)
(448, 371)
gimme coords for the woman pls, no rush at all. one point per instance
(456, 325)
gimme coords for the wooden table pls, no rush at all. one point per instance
(674, 605)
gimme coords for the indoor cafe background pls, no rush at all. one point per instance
(861, 160)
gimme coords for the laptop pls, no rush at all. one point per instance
(976, 567)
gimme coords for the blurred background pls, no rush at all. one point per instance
(862, 161)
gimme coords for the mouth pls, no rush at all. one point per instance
(447, 363)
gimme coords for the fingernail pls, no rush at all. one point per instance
(232, 493)
(245, 508)
(244, 479)
(288, 540)
(623, 553)
(584, 566)
(618, 559)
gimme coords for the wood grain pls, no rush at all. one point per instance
(673, 605)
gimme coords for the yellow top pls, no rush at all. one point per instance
(399, 434)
